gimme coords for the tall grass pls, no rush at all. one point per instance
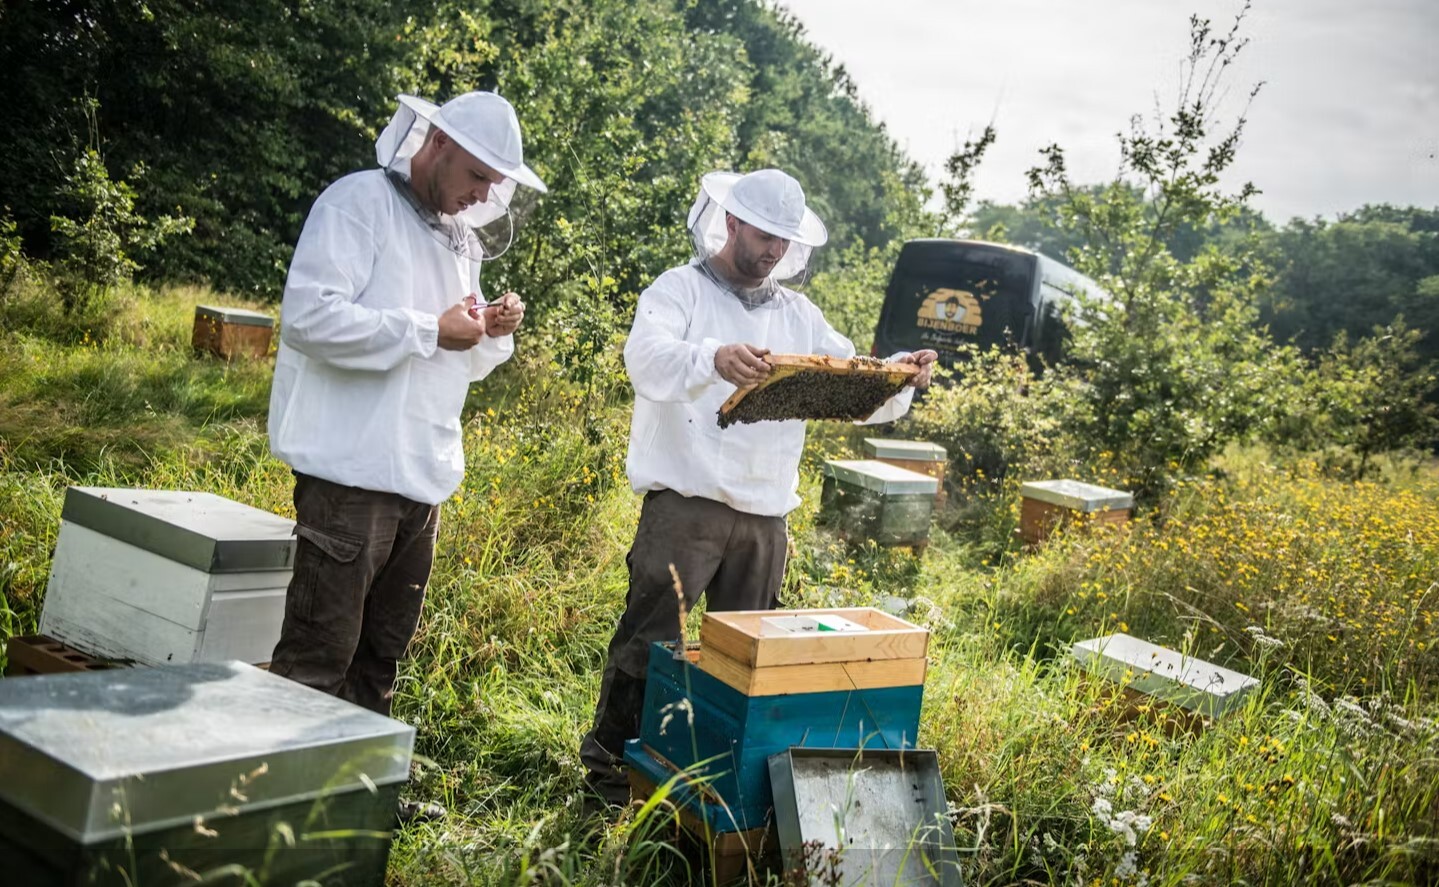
(1323, 590)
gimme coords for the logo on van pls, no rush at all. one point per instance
(952, 311)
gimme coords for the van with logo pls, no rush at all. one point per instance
(945, 293)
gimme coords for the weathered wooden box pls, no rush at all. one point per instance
(231, 332)
(1046, 504)
(133, 776)
(868, 499)
(918, 456)
(722, 739)
(36, 654)
(1165, 675)
(774, 652)
(159, 576)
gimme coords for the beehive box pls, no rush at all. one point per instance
(774, 652)
(918, 456)
(1044, 505)
(159, 576)
(813, 386)
(868, 499)
(720, 739)
(115, 777)
(1165, 675)
(231, 332)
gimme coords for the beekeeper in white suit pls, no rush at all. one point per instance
(715, 499)
(383, 328)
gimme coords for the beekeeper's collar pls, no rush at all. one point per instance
(768, 199)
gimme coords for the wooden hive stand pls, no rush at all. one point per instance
(730, 858)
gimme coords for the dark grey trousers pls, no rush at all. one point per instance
(361, 565)
(736, 559)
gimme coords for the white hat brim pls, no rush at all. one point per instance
(810, 231)
(431, 112)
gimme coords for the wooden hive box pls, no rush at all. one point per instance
(1046, 504)
(868, 499)
(774, 652)
(1166, 676)
(918, 456)
(112, 778)
(231, 332)
(163, 576)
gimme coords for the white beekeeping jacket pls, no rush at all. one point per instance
(681, 320)
(363, 395)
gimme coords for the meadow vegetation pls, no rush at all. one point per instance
(1288, 521)
(1322, 586)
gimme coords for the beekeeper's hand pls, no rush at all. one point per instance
(461, 330)
(741, 365)
(925, 361)
(503, 317)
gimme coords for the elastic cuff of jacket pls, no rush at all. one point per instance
(708, 349)
(427, 332)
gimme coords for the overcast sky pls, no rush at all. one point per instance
(1348, 115)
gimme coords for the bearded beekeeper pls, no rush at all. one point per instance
(383, 328)
(715, 499)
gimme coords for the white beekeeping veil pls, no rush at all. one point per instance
(485, 125)
(768, 199)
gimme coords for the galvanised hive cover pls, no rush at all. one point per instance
(1166, 674)
(238, 316)
(96, 755)
(1076, 496)
(881, 477)
(201, 530)
(913, 450)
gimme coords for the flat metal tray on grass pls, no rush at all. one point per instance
(813, 386)
(859, 817)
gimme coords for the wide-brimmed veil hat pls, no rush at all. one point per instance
(483, 124)
(769, 199)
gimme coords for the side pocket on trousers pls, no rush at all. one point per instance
(325, 553)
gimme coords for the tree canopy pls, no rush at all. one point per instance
(243, 112)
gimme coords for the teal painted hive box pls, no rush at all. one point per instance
(722, 739)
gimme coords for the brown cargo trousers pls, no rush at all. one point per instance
(362, 561)
(734, 558)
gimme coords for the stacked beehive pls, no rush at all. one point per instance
(766, 681)
(159, 576)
